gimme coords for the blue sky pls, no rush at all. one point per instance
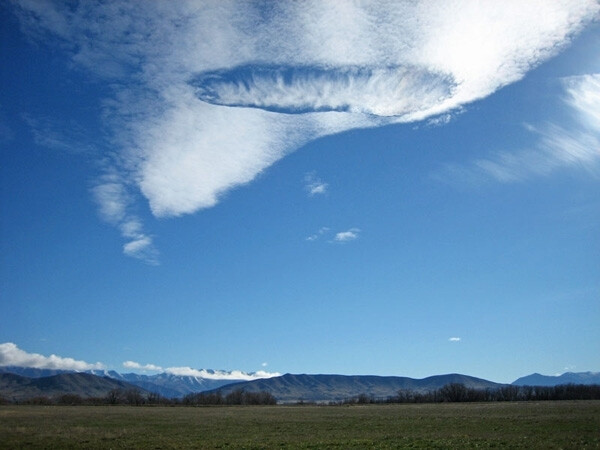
(313, 187)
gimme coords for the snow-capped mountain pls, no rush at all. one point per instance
(166, 384)
(171, 385)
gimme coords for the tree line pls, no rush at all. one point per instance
(457, 392)
(450, 393)
(135, 397)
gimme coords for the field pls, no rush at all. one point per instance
(565, 424)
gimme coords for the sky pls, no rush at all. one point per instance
(384, 188)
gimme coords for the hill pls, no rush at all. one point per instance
(537, 379)
(18, 388)
(325, 388)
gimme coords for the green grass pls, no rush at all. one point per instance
(547, 425)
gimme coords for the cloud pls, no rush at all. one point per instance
(220, 375)
(11, 355)
(115, 204)
(54, 134)
(314, 185)
(138, 366)
(342, 236)
(203, 373)
(345, 236)
(318, 234)
(381, 91)
(454, 339)
(208, 95)
(443, 119)
(556, 148)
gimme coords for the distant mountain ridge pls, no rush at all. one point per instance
(285, 388)
(18, 387)
(537, 379)
(166, 384)
(327, 388)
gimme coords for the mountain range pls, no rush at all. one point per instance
(15, 387)
(166, 384)
(326, 388)
(536, 379)
(18, 383)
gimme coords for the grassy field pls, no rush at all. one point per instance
(566, 424)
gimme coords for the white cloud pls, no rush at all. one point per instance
(219, 374)
(138, 366)
(381, 91)
(204, 373)
(584, 98)
(345, 236)
(318, 234)
(454, 339)
(556, 148)
(114, 205)
(11, 355)
(180, 66)
(314, 185)
(442, 119)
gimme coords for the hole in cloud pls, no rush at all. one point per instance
(380, 91)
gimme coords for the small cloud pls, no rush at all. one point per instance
(141, 247)
(138, 366)
(314, 185)
(568, 369)
(454, 339)
(11, 355)
(345, 236)
(264, 364)
(318, 234)
(444, 119)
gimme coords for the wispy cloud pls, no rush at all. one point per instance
(557, 147)
(318, 234)
(341, 236)
(454, 339)
(208, 95)
(56, 135)
(314, 185)
(114, 206)
(345, 236)
(11, 355)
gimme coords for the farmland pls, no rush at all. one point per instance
(566, 424)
